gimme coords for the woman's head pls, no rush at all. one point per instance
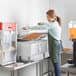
(51, 15)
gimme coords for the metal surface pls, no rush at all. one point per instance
(32, 49)
(74, 52)
(8, 43)
(12, 73)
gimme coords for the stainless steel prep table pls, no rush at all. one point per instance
(15, 67)
(68, 68)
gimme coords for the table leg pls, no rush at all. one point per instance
(12, 73)
(41, 68)
(67, 73)
(37, 70)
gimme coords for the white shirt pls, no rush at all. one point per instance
(54, 29)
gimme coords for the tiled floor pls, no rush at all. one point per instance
(63, 74)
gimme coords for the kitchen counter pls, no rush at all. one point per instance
(67, 50)
(69, 68)
(17, 66)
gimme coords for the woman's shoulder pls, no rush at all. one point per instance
(55, 22)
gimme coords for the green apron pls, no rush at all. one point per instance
(54, 50)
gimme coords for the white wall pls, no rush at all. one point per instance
(23, 12)
(37, 11)
(66, 9)
(14, 11)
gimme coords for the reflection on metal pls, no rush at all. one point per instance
(8, 42)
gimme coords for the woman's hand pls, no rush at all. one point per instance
(24, 28)
(40, 23)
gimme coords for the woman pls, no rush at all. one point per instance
(54, 37)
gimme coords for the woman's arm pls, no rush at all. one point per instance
(40, 25)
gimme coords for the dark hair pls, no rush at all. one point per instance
(58, 20)
(51, 13)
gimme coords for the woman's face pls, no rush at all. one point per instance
(51, 18)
